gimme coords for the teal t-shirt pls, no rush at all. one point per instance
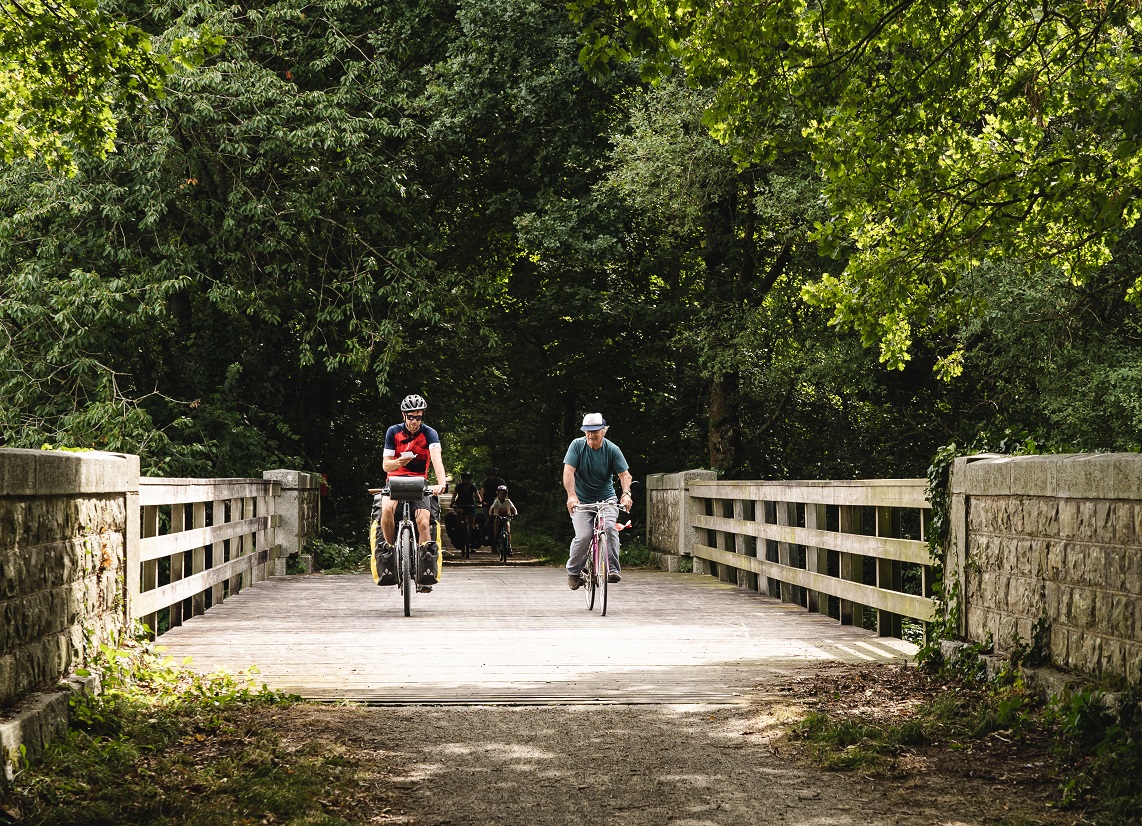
(595, 469)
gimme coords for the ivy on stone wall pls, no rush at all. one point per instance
(946, 596)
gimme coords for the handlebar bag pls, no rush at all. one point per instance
(406, 488)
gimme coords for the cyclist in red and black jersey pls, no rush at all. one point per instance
(409, 448)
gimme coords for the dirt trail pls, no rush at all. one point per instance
(685, 765)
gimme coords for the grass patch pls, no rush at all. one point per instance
(161, 745)
(1092, 758)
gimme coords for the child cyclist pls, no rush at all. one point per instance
(500, 507)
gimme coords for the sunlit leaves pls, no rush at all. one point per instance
(70, 69)
(948, 133)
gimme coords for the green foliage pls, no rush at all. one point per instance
(540, 546)
(137, 752)
(345, 204)
(1106, 750)
(947, 604)
(634, 553)
(337, 558)
(253, 248)
(70, 70)
(950, 136)
(1096, 752)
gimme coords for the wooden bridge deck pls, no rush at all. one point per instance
(517, 635)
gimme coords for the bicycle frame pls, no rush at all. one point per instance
(502, 538)
(598, 569)
(406, 492)
(407, 557)
(470, 530)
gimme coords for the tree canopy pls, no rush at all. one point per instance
(70, 69)
(349, 202)
(948, 134)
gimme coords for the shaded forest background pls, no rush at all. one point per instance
(484, 202)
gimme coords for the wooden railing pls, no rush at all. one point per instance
(202, 540)
(836, 547)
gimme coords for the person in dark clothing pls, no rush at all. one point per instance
(465, 499)
(488, 490)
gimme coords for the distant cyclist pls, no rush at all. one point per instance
(501, 506)
(488, 490)
(589, 468)
(465, 499)
(409, 447)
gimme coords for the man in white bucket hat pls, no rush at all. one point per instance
(589, 468)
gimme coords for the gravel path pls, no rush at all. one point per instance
(689, 765)
(669, 710)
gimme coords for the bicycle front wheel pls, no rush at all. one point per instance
(604, 574)
(503, 547)
(406, 559)
(589, 571)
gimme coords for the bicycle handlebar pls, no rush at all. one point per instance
(385, 489)
(597, 506)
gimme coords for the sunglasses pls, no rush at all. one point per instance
(415, 417)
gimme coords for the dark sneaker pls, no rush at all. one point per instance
(386, 559)
(424, 589)
(574, 581)
(429, 557)
(613, 576)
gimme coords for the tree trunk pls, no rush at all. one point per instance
(725, 424)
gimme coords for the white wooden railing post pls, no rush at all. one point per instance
(816, 559)
(132, 533)
(198, 558)
(889, 574)
(786, 516)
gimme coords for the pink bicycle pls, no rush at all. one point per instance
(596, 572)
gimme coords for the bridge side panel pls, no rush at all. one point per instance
(668, 510)
(839, 548)
(1053, 544)
(63, 538)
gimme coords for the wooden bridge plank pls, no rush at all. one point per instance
(881, 547)
(516, 635)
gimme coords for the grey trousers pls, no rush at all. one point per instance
(584, 522)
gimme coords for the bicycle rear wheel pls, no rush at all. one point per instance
(406, 560)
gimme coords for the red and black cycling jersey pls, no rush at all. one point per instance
(399, 440)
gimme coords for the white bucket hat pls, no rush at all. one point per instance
(593, 421)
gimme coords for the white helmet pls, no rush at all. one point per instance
(413, 402)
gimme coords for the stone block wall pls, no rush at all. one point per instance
(63, 533)
(1054, 541)
(667, 509)
(299, 511)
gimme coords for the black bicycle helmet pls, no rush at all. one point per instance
(467, 474)
(413, 402)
